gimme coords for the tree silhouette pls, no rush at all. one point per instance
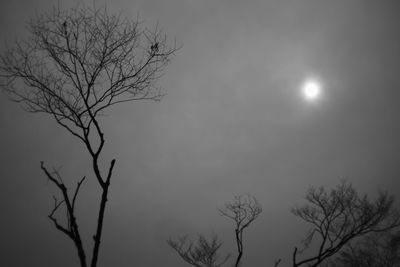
(243, 211)
(202, 253)
(340, 216)
(75, 65)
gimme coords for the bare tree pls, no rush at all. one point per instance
(243, 211)
(202, 253)
(338, 217)
(373, 250)
(75, 65)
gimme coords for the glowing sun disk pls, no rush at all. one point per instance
(311, 90)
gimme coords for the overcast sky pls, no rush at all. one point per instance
(233, 121)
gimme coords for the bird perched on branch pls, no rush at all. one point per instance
(154, 48)
(65, 27)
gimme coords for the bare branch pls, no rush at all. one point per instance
(61, 228)
(77, 191)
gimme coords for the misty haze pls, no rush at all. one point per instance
(200, 133)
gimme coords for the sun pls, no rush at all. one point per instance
(311, 90)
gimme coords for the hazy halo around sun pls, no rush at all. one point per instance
(311, 90)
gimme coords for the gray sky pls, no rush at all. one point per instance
(233, 122)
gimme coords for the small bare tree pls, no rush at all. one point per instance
(202, 253)
(243, 211)
(76, 65)
(338, 217)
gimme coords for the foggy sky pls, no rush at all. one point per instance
(232, 122)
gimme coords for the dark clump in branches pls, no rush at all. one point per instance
(340, 216)
(75, 65)
(243, 211)
(202, 253)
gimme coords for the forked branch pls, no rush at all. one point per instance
(71, 230)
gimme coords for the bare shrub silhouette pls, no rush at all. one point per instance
(340, 216)
(202, 253)
(75, 65)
